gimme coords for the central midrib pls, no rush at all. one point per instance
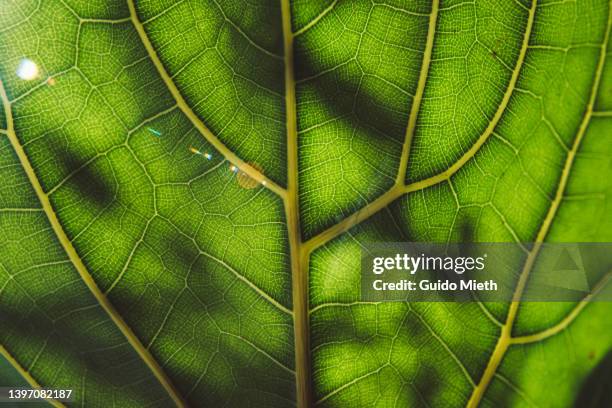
(299, 250)
(299, 258)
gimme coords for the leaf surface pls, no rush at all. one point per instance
(187, 188)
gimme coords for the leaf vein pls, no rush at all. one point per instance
(191, 115)
(74, 257)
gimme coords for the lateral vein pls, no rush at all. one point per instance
(80, 267)
(315, 20)
(420, 91)
(26, 375)
(400, 189)
(191, 115)
(505, 339)
(567, 320)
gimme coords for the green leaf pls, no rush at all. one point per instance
(187, 186)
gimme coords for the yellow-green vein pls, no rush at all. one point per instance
(244, 167)
(75, 259)
(299, 259)
(505, 339)
(418, 95)
(26, 375)
(398, 189)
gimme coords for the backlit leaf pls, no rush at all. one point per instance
(187, 186)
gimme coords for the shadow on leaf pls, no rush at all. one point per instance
(596, 391)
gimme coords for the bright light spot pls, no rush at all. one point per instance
(208, 156)
(27, 69)
(250, 181)
(264, 182)
(154, 131)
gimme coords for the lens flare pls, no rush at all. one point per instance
(27, 70)
(248, 182)
(154, 132)
(207, 155)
